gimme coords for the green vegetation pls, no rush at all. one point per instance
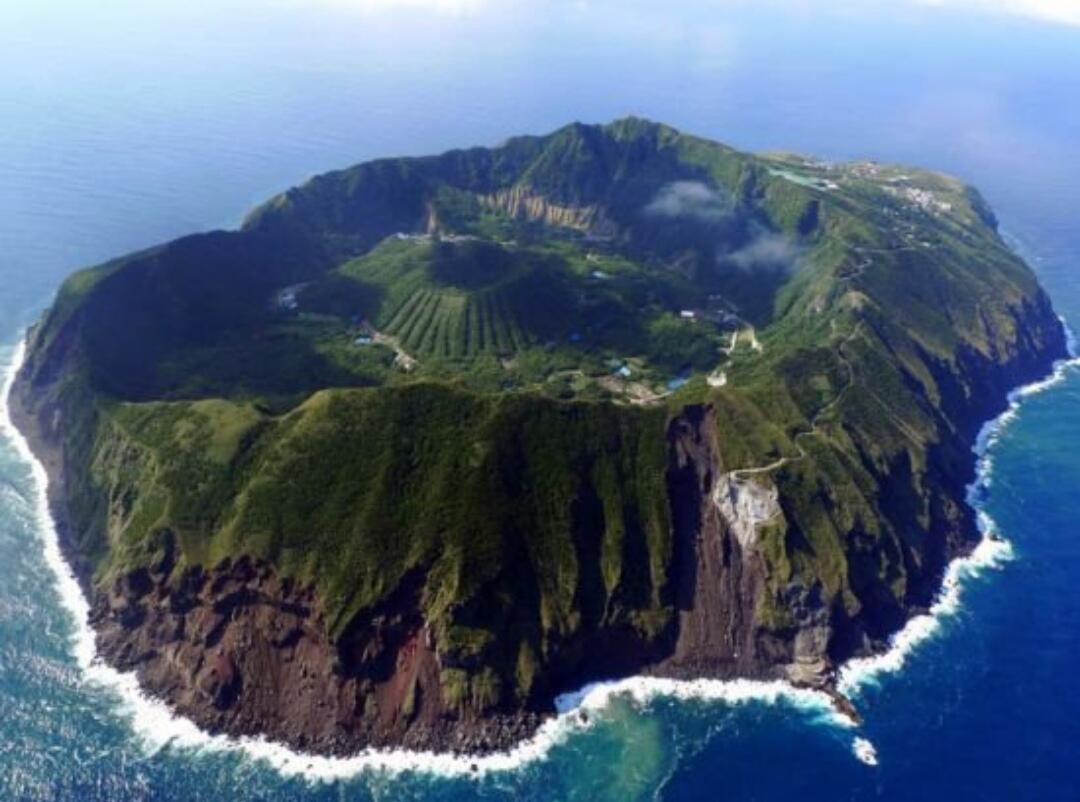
(464, 367)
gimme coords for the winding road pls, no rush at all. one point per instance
(861, 266)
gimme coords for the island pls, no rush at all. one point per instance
(429, 441)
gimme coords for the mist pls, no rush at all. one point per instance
(768, 251)
(691, 199)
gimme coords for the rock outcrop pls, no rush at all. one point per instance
(523, 203)
(718, 574)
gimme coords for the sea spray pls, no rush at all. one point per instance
(157, 727)
(860, 672)
(865, 751)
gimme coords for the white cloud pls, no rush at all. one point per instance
(690, 199)
(1056, 11)
(769, 251)
(1065, 12)
(1061, 11)
(455, 8)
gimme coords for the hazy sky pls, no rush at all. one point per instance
(106, 97)
(1057, 11)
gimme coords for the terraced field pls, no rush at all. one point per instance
(459, 300)
(451, 324)
(463, 301)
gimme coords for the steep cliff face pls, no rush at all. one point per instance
(523, 203)
(285, 532)
(240, 650)
(719, 571)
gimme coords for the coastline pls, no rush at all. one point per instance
(158, 726)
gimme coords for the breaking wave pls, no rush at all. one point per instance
(990, 553)
(865, 751)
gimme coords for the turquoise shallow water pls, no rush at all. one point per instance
(125, 127)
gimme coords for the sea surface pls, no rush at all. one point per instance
(123, 124)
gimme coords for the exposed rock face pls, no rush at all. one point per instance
(718, 574)
(745, 504)
(522, 203)
(241, 651)
(808, 661)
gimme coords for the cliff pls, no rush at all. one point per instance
(430, 441)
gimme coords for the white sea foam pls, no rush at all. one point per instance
(158, 728)
(991, 552)
(1070, 339)
(865, 751)
(862, 671)
(643, 690)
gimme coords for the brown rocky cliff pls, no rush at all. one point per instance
(239, 650)
(719, 574)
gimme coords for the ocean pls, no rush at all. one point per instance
(123, 124)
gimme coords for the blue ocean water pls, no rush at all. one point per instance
(122, 125)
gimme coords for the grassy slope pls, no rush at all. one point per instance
(533, 520)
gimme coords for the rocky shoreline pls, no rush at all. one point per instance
(238, 650)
